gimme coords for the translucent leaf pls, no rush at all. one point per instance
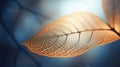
(112, 10)
(71, 35)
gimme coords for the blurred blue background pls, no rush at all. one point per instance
(21, 19)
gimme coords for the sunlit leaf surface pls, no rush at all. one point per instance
(112, 10)
(71, 35)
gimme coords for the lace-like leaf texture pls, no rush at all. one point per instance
(73, 35)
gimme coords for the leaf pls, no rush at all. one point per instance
(112, 11)
(71, 35)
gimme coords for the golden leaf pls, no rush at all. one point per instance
(71, 35)
(112, 11)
